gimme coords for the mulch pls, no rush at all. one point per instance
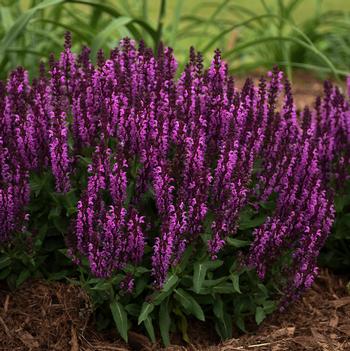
(57, 316)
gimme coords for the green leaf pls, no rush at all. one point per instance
(146, 309)
(199, 274)
(209, 283)
(293, 39)
(120, 319)
(340, 202)
(235, 282)
(102, 285)
(133, 309)
(112, 12)
(263, 289)
(150, 329)
(244, 23)
(223, 326)
(259, 315)
(185, 258)
(5, 262)
(142, 270)
(54, 212)
(59, 275)
(218, 308)
(118, 24)
(269, 306)
(37, 182)
(165, 322)
(175, 22)
(70, 201)
(240, 323)
(20, 24)
(225, 288)
(200, 271)
(4, 273)
(6, 17)
(237, 243)
(140, 285)
(167, 289)
(252, 222)
(60, 224)
(183, 324)
(170, 283)
(189, 304)
(223, 323)
(23, 276)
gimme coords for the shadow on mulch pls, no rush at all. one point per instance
(56, 316)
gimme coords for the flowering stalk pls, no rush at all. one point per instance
(170, 159)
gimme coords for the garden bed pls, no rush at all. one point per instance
(56, 316)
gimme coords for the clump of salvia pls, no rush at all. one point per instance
(188, 147)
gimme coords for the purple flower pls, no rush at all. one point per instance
(173, 160)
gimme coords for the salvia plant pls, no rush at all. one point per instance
(167, 195)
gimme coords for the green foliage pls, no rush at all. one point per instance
(218, 292)
(336, 253)
(223, 292)
(120, 319)
(251, 36)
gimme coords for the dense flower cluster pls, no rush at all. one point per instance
(174, 158)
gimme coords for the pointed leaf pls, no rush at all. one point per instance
(235, 282)
(133, 309)
(170, 283)
(259, 315)
(146, 309)
(189, 304)
(150, 329)
(224, 326)
(120, 319)
(164, 322)
(23, 276)
(5, 261)
(237, 243)
(168, 288)
(200, 271)
(240, 323)
(19, 25)
(118, 24)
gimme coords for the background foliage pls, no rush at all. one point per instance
(259, 35)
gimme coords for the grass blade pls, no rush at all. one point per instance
(175, 23)
(160, 24)
(284, 38)
(226, 31)
(20, 24)
(6, 18)
(114, 13)
(118, 24)
(84, 35)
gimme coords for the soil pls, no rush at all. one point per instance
(56, 316)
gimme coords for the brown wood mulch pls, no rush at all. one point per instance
(57, 316)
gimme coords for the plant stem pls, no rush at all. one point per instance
(160, 24)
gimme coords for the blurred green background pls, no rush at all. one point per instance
(253, 34)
